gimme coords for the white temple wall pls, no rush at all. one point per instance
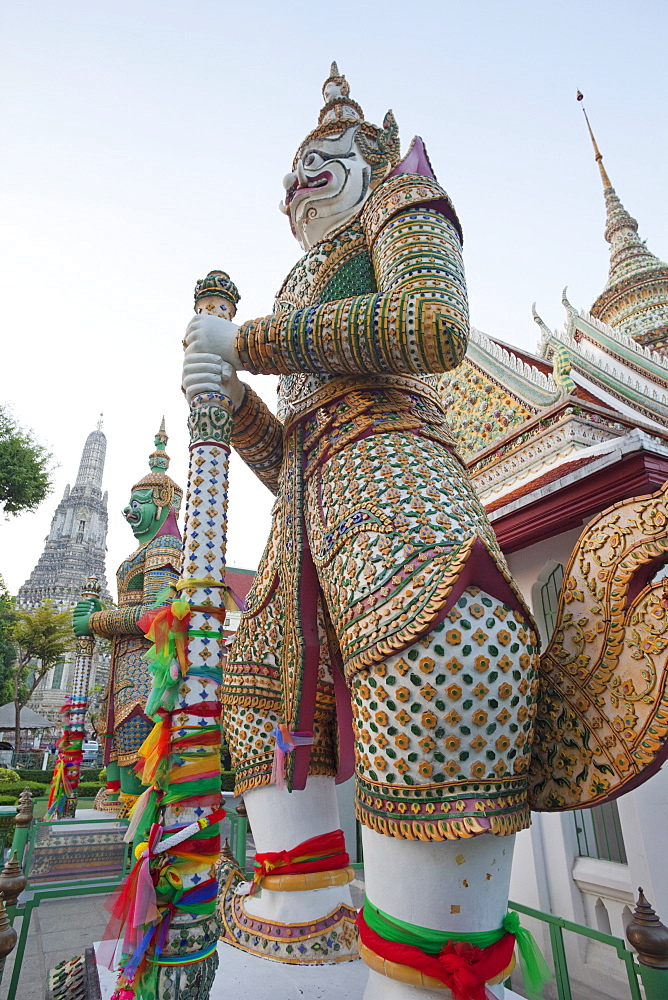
(528, 565)
(644, 819)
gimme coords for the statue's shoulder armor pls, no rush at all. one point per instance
(403, 191)
(130, 568)
(164, 550)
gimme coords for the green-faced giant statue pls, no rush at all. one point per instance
(151, 513)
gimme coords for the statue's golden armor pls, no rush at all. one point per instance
(381, 567)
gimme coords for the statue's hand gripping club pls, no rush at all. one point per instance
(211, 361)
(81, 614)
(204, 373)
(213, 332)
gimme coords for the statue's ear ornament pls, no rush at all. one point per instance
(163, 495)
(379, 146)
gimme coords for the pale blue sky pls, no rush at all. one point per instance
(144, 144)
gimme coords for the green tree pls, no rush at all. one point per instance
(43, 636)
(25, 472)
(7, 645)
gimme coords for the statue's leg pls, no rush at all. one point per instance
(304, 917)
(128, 737)
(280, 820)
(459, 886)
(130, 783)
(442, 733)
(113, 781)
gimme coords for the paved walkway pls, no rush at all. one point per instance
(60, 929)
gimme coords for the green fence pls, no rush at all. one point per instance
(557, 926)
(24, 912)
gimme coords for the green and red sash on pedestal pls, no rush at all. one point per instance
(463, 962)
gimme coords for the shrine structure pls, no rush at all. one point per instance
(551, 439)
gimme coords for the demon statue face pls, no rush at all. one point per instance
(329, 185)
(143, 515)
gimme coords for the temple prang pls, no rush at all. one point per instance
(74, 550)
(76, 544)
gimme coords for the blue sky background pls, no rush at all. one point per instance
(144, 144)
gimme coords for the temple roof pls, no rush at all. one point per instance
(521, 421)
(544, 436)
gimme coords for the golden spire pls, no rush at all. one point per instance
(598, 156)
(635, 297)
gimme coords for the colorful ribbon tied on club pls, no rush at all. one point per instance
(181, 761)
(60, 790)
(166, 625)
(142, 909)
(326, 852)
(286, 742)
(463, 962)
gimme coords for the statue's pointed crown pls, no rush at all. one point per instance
(379, 146)
(165, 490)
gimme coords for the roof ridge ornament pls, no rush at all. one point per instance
(545, 332)
(570, 309)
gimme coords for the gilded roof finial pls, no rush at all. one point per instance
(598, 156)
(635, 297)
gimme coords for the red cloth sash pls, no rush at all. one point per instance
(324, 853)
(463, 967)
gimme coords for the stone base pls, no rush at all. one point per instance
(333, 938)
(243, 975)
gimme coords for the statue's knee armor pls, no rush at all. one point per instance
(442, 730)
(252, 700)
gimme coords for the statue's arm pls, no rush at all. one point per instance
(115, 621)
(258, 438)
(161, 569)
(416, 323)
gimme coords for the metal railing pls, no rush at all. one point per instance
(238, 838)
(557, 926)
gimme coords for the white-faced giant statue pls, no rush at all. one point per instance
(384, 636)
